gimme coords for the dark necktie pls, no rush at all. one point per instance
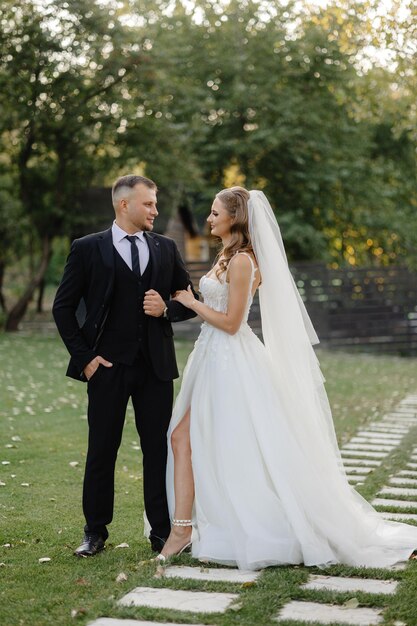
(135, 254)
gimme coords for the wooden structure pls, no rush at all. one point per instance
(370, 309)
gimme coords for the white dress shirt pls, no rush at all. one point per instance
(122, 246)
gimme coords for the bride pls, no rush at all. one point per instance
(255, 477)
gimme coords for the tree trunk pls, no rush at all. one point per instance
(17, 312)
(41, 293)
(2, 298)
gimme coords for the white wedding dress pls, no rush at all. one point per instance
(259, 500)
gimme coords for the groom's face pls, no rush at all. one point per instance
(141, 207)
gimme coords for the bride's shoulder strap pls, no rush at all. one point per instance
(250, 259)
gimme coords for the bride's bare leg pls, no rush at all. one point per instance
(183, 487)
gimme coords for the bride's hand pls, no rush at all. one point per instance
(185, 297)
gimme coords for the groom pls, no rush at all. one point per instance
(113, 311)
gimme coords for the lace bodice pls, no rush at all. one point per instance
(216, 292)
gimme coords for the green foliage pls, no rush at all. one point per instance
(203, 95)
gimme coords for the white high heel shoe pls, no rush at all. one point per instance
(185, 548)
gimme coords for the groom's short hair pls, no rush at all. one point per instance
(130, 181)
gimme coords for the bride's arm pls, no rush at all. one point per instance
(240, 273)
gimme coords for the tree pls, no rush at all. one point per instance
(62, 71)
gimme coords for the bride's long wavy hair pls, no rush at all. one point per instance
(235, 201)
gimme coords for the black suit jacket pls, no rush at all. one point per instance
(84, 297)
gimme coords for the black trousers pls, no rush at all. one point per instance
(108, 393)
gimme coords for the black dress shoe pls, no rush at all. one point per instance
(157, 543)
(90, 546)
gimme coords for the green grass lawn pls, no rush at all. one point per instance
(43, 434)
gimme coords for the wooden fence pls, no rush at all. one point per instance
(371, 309)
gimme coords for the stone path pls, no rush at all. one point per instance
(114, 621)
(401, 492)
(329, 614)
(340, 583)
(206, 573)
(364, 453)
(194, 601)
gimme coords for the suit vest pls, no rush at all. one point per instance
(125, 333)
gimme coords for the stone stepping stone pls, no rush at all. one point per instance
(218, 574)
(412, 465)
(393, 432)
(394, 425)
(358, 470)
(398, 504)
(403, 481)
(365, 462)
(399, 516)
(341, 583)
(397, 567)
(398, 491)
(407, 473)
(379, 435)
(365, 453)
(373, 440)
(357, 480)
(119, 621)
(178, 600)
(389, 428)
(329, 614)
(402, 420)
(367, 446)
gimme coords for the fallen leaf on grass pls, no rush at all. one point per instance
(44, 559)
(2, 484)
(74, 463)
(248, 584)
(24, 484)
(78, 612)
(353, 603)
(123, 545)
(81, 581)
(160, 572)
(121, 578)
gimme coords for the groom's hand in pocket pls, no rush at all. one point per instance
(153, 304)
(93, 366)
